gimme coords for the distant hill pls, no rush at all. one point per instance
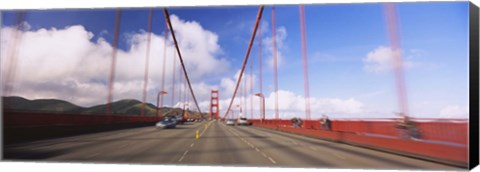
(19, 103)
(121, 107)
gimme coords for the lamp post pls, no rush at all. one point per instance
(158, 99)
(184, 108)
(240, 111)
(262, 106)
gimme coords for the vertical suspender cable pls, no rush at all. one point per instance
(392, 24)
(164, 61)
(252, 38)
(11, 61)
(245, 97)
(184, 93)
(180, 82)
(147, 57)
(173, 79)
(275, 77)
(260, 64)
(114, 61)
(167, 16)
(240, 101)
(251, 89)
(305, 62)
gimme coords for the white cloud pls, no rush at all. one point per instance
(228, 83)
(267, 42)
(291, 104)
(65, 63)
(264, 27)
(295, 104)
(454, 111)
(382, 60)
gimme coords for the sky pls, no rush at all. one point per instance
(66, 54)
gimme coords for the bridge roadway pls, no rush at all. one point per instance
(218, 144)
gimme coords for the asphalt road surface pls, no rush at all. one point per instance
(217, 144)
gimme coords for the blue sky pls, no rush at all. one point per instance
(340, 37)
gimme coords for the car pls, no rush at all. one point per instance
(230, 122)
(243, 121)
(166, 123)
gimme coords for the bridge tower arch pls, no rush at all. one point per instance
(214, 104)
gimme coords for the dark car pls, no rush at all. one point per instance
(167, 123)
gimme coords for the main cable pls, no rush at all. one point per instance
(245, 60)
(167, 16)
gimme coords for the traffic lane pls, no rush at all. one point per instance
(284, 153)
(363, 157)
(218, 146)
(325, 153)
(57, 141)
(83, 147)
(47, 148)
(162, 147)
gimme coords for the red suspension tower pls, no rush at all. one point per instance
(214, 104)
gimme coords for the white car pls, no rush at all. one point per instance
(243, 121)
(230, 122)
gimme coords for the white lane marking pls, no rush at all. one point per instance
(125, 145)
(191, 145)
(93, 155)
(302, 144)
(251, 145)
(205, 129)
(339, 156)
(270, 158)
(203, 132)
(183, 156)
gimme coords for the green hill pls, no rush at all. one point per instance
(22, 104)
(121, 107)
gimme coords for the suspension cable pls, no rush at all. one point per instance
(260, 79)
(164, 61)
(173, 79)
(392, 25)
(147, 57)
(305, 62)
(11, 63)
(252, 38)
(167, 16)
(275, 73)
(251, 89)
(118, 15)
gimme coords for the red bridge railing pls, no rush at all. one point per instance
(446, 131)
(440, 140)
